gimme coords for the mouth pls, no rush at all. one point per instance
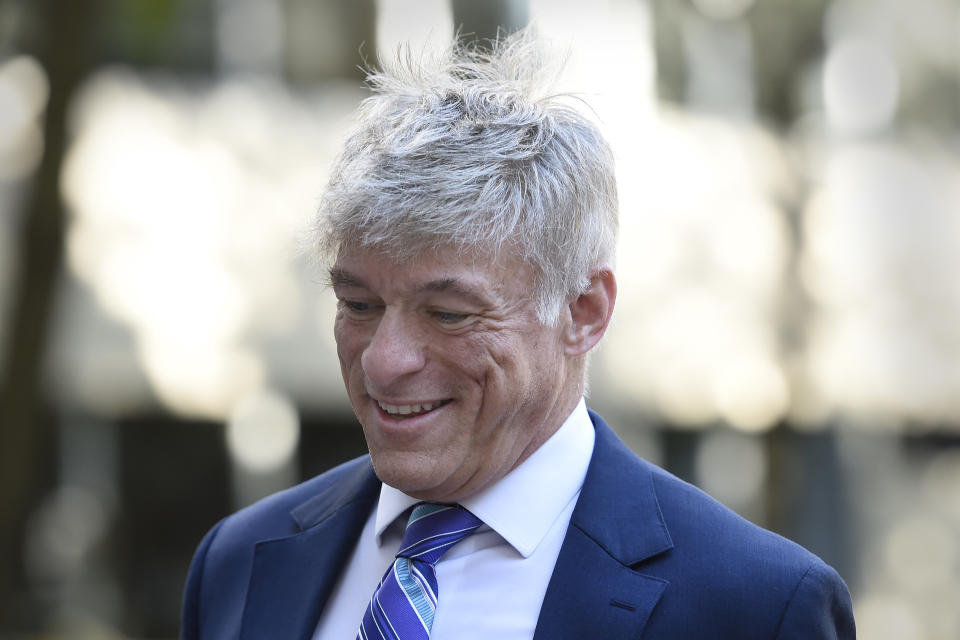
(410, 410)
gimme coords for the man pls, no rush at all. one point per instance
(470, 225)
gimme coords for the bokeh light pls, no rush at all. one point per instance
(425, 24)
(883, 617)
(263, 432)
(881, 235)
(701, 263)
(188, 211)
(860, 86)
(732, 467)
(723, 9)
(922, 552)
(63, 532)
(23, 95)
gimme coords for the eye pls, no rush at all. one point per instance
(450, 318)
(355, 307)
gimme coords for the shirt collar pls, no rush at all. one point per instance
(522, 505)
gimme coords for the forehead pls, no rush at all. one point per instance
(491, 273)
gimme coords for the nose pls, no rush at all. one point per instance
(395, 350)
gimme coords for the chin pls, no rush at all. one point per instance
(400, 470)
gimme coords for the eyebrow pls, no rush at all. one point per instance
(454, 286)
(341, 278)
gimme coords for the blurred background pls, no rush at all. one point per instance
(787, 334)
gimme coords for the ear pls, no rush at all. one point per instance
(590, 313)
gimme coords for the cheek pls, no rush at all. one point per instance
(349, 346)
(510, 374)
(529, 366)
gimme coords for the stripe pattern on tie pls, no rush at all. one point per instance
(403, 605)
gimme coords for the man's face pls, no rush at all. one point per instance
(452, 376)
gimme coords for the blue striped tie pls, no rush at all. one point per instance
(403, 605)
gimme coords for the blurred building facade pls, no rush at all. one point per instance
(787, 334)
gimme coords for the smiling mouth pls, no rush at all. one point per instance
(409, 410)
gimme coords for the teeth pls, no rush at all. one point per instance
(407, 409)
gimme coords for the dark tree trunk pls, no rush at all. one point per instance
(65, 48)
(482, 20)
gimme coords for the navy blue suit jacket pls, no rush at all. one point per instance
(646, 556)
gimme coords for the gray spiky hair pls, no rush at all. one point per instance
(469, 149)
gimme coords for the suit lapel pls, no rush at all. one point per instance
(292, 577)
(594, 592)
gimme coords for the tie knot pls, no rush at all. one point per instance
(433, 528)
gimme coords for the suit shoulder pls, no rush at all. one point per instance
(693, 516)
(218, 576)
(728, 564)
(702, 533)
(820, 607)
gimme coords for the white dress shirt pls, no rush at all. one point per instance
(492, 584)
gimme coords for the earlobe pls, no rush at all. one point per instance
(590, 313)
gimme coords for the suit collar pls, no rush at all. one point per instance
(596, 589)
(360, 484)
(627, 524)
(293, 577)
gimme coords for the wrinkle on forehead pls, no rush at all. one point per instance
(442, 253)
(501, 281)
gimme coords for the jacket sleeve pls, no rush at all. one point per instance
(192, 593)
(819, 609)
